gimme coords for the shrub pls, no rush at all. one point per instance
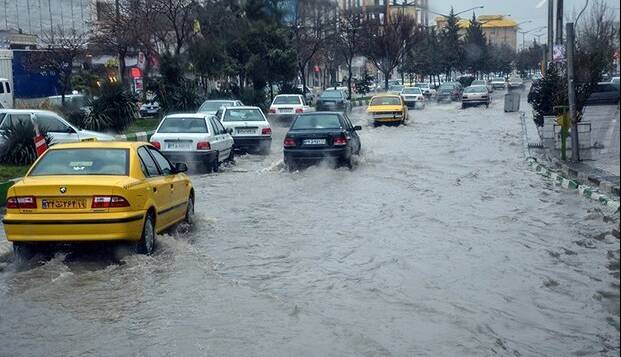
(114, 109)
(18, 147)
(547, 93)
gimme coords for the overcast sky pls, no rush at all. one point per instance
(520, 10)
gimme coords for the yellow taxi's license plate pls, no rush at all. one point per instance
(63, 203)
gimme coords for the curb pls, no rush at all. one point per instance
(603, 185)
(138, 136)
(583, 190)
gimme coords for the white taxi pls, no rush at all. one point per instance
(250, 129)
(286, 106)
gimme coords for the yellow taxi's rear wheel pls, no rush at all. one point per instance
(189, 212)
(146, 244)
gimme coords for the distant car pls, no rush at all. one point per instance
(286, 106)
(333, 100)
(250, 129)
(102, 192)
(58, 129)
(615, 81)
(6, 93)
(395, 89)
(388, 109)
(427, 89)
(212, 106)
(321, 136)
(475, 95)
(199, 140)
(150, 108)
(515, 82)
(73, 102)
(413, 97)
(480, 82)
(449, 91)
(498, 83)
(604, 93)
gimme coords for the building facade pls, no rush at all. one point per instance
(499, 30)
(378, 8)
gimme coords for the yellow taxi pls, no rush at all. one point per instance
(388, 109)
(97, 191)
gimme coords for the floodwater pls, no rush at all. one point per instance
(441, 242)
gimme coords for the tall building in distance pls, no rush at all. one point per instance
(498, 29)
(378, 8)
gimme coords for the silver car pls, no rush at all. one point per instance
(475, 95)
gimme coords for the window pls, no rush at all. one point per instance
(243, 115)
(147, 162)
(162, 162)
(317, 121)
(2, 89)
(332, 94)
(183, 125)
(287, 99)
(214, 105)
(8, 87)
(83, 162)
(217, 127)
(347, 122)
(386, 101)
(51, 123)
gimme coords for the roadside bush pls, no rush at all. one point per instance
(547, 93)
(363, 85)
(18, 147)
(114, 109)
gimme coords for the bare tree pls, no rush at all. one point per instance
(387, 43)
(309, 31)
(350, 39)
(178, 17)
(63, 48)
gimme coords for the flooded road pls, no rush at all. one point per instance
(441, 242)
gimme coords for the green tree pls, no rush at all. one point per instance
(451, 45)
(475, 47)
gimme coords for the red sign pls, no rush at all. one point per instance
(317, 69)
(135, 72)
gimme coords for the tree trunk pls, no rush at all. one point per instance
(349, 73)
(385, 80)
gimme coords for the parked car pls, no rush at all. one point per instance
(388, 109)
(58, 129)
(498, 83)
(199, 140)
(615, 81)
(333, 100)
(515, 83)
(475, 95)
(604, 93)
(286, 106)
(6, 93)
(428, 90)
(250, 129)
(321, 136)
(413, 97)
(149, 108)
(211, 106)
(480, 82)
(73, 102)
(90, 192)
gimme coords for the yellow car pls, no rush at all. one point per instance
(97, 191)
(388, 109)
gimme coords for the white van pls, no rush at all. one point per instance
(6, 94)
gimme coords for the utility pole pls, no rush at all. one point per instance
(117, 14)
(550, 29)
(559, 22)
(575, 149)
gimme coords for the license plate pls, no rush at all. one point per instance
(177, 146)
(63, 203)
(285, 110)
(314, 141)
(245, 131)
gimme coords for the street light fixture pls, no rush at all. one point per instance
(529, 31)
(415, 5)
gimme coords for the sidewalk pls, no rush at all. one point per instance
(600, 162)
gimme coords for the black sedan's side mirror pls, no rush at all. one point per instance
(357, 127)
(181, 167)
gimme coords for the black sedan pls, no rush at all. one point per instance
(333, 100)
(319, 136)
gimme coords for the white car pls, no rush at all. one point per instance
(498, 83)
(58, 129)
(480, 82)
(515, 82)
(212, 106)
(250, 129)
(428, 90)
(286, 106)
(413, 97)
(150, 108)
(199, 140)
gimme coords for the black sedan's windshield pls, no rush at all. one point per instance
(316, 121)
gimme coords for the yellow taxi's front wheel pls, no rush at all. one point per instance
(147, 241)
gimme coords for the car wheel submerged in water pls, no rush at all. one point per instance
(146, 243)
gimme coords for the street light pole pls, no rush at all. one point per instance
(550, 29)
(575, 149)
